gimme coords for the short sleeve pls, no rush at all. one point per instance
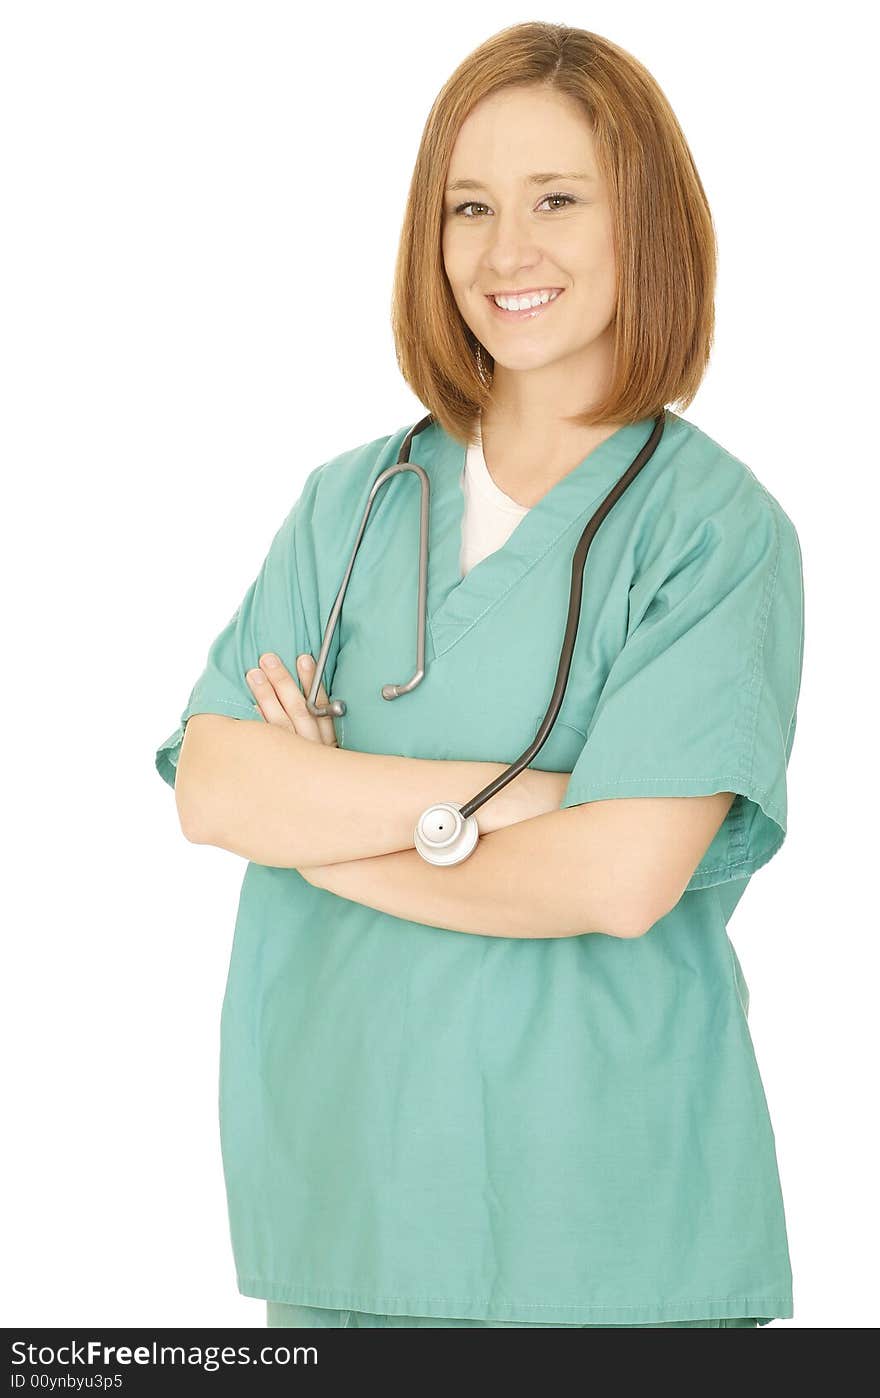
(271, 616)
(703, 695)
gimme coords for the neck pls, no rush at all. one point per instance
(540, 401)
(525, 468)
(526, 429)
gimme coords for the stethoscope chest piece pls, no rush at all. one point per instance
(443, 837)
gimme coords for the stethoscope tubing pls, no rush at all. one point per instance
(435, 837)
(571, 623)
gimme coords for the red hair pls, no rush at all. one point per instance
(664, 237)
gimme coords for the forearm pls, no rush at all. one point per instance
(277, 799)
(560, 874)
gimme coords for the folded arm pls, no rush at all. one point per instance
(270, 796)
(614, 866)
(346, 820)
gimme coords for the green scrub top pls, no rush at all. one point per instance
(421, 1121)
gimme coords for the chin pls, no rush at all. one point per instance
(528, 363)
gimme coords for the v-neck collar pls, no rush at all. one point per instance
(457, 603)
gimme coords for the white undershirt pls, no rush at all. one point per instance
(490, 516)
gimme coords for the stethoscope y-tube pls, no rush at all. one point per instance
(446, 833)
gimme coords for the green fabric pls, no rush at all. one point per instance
(317, 1318)
(570, 1130)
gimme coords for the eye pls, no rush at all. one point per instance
(473, 204)
(566, 197)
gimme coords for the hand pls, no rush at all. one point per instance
(282, 702)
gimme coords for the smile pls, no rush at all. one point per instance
(550, 295)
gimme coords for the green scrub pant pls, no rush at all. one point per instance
(323, 1318)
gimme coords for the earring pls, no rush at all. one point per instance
(481, 365)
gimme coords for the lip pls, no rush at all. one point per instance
(530, 312)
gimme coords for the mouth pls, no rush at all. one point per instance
(529, 312)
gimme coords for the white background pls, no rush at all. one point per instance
(202, 203)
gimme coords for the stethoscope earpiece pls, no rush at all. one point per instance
(443, 837)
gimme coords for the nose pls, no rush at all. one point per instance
(510, 245)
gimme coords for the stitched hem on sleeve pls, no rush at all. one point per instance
(169, 751)
(739, 862)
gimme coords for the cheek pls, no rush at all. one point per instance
(597, 276)
(457, 260)
(461, 274)
(590, 254)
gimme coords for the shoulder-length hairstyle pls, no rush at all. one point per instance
(664, 237)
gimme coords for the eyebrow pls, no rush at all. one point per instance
(543, 178)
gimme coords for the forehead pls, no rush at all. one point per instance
(522, 130)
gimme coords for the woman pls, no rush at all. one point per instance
(521, 1090)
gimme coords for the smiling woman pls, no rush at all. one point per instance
(591, 132)
(518, 1091)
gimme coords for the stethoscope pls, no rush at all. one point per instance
(447, 832)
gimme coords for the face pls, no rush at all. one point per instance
(511, 225)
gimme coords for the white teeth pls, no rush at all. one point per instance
(521, 303)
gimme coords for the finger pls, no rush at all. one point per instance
(269, 704)
(306, 666)
(280, 699)
(290, 696)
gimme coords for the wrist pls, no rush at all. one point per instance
(528, 795)
(540, 793)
